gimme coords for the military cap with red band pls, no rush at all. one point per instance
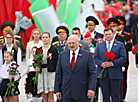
(121, 19)
(113, 22)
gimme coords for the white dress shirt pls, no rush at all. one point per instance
(111, 44)
(93, 35)
(62, 43)
(76, 54)
(28, 68)
(4, 74)
(18, 56)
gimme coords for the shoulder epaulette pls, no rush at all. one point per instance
(17, 36)
(127, 33)
(57, 42)
(16, 40)
(1, 37)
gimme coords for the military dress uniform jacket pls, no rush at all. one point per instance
(127, 40)
(2, 42)
(58, 46)
(96, 37)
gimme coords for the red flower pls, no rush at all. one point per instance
(39, 50)
(17, 65)
(80, 45)
(13, 64)
(34, 60)
(109, 55)
(135, 49)
(129, 41)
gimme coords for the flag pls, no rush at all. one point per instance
(61, 10)
(80, 21)
(48, 20)
(54, 3)
(36, 6)
(72, 13)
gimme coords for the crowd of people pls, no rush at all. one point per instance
(72, 63)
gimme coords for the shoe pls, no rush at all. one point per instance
(95, 101)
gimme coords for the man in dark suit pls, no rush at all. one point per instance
(75, 79)
(83, 44)
(112, 75)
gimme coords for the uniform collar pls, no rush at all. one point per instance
(9, 46)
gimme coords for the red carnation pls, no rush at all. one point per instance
(135, 49)
(110, 57)
(92, 53)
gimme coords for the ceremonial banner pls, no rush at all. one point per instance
(61, 10)
(72, 13)
(48, 20)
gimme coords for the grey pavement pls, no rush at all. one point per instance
(132, 92)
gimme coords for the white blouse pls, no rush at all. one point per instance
(4, 74)
(28, 68)
(18, 56)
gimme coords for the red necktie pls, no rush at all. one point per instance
(72, 61)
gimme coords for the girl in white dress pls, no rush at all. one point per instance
(47, 76)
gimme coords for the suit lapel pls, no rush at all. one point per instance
(104, 46)
(113, 46)
(69, 60)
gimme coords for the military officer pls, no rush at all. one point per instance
(9, 26)
(91, 24)
(62, 33)
(128, 47)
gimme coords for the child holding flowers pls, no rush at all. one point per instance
(9, 74)
(46, 76)
(31, 75)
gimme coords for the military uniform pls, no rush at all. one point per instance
(8, 25)
(95, 35)
(127, 40)
(58, 45)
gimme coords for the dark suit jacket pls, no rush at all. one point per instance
(75, 84)
(118, 48)
(85, 45)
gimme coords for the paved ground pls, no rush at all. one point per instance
(132, 93)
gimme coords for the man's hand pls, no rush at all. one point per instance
(104, 65)
(19, 77)
(58, 94)
(90, 94)
(109, 64)
(37, 69)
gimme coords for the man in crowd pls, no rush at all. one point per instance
(75, 79)
(91, 24)
(84, 45)
(112, 75)
(62, 33)
(128, 47)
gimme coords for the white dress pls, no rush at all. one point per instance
(45, 79)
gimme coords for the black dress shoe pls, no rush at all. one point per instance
(94, 101)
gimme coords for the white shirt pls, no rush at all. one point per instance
(111, 43)
(76, 54)
(4, 74)
(93, 35)
(28, 68)
(18, 56)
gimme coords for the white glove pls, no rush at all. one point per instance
(123, 69)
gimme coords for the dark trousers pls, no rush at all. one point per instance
(72, 100)
(110, 87)
(125, 82)
(97, 90)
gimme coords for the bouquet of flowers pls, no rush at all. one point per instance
(110, 57)
(38, 61)
(12, 71)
